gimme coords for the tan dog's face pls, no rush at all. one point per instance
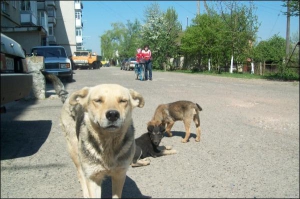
(108, 106)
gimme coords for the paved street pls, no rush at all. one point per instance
(249, 143)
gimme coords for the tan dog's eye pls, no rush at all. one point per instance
(123, 101)
(98, 100)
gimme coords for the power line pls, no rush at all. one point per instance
(106, 6)
(274, 24)
(185, 8)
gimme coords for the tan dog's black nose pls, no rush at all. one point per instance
(112, 115)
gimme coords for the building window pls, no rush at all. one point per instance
(4, 6)
(51, 12)
(50, 29)
(25, 5)
(77, 15)
(14, 4)
(44, 41)
(78, 32)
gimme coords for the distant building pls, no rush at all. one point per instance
(42, 22)
(78, 25)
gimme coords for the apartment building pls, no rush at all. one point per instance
(41, 23)
(78, 25)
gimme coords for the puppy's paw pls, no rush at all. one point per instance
(172, 151)
(184, 141)
(197, 139)
(168, 147)
(147, 159)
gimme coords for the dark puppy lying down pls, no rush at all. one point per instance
(147, 145)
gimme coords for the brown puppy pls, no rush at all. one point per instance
(98, 127)
(185, 111)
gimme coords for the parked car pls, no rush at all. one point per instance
(56, 61)
(123, 64)
(131, 62)
(16, 82)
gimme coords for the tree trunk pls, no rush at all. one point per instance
(208, 64)
(260, 68)
(252, 68)
(231, 65)
(264, 68)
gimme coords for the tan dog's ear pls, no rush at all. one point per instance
(79, 96)
(137, 99)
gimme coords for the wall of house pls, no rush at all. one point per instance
(26, 39)
(65, 26)
(11, 17)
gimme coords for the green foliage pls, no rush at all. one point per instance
(294, 7)
(272, 50)
(111, 40)
(229, 29)
(220, 35)
(159, 32)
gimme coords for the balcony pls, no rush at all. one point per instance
(50, 4)
(78, 23)
(78, 39)
(43, 20)
(52, 20)
(78, 5)
(41, 5)
(51, 39)
(27, 18)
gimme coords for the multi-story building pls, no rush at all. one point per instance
(19, 20)
(78, 24)
(40, 23)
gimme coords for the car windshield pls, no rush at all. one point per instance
(132, 59)
(49, 52)
(81, 53)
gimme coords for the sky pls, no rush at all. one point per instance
(97, 17)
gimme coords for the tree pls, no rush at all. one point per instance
(131, 39)
(203, 40)
(111, 40)
(160, 32)
(272, 50)
(293, 7)
(241, 27)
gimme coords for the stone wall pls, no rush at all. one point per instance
(35, 64)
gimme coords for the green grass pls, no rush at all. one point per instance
(239, 75)
(223, 74)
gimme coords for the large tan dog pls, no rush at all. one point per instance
(97, 124)
(186, 111)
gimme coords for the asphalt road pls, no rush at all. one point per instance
(249, 143)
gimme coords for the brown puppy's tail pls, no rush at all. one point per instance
(58, 86)
(199, 107)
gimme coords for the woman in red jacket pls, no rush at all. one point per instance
(148, 62)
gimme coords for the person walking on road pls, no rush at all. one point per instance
(148, 62)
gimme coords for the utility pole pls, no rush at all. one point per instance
(206, 7)
(287, 47)
(187, 21)
(198, 7)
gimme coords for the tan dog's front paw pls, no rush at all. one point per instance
(184, 141)
(168, 147)
(197, 139)
(170, 134)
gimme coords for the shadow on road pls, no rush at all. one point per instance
(130, 189)
(181, 134)
(23, 138)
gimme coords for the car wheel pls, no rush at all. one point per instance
(70, 78)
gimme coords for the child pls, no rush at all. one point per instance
(139, 60)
